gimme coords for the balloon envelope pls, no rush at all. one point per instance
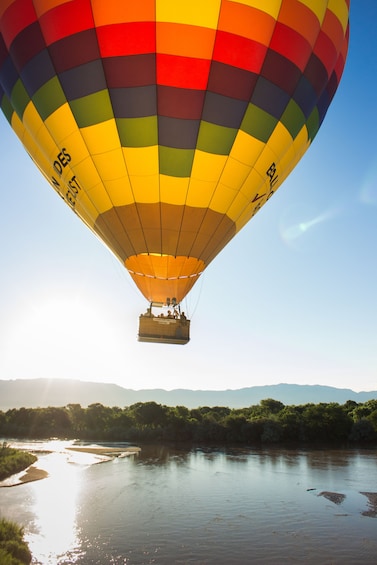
(165, 125)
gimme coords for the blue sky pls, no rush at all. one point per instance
(293, 298)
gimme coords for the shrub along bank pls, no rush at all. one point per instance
(13, 549)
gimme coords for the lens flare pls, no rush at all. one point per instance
(293, 226)
(368, 192)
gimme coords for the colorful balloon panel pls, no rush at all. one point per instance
(167, 125)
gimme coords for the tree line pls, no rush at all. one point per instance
(269, 422)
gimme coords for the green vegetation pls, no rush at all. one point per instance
(13, 549)
(270, 422)
(13, 461)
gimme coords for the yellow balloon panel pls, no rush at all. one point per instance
(145, 189)
(234, 173)
(174, 190)
(194, 12)
(200, 193)
(272, 7)
(62, 125)
(120, 192)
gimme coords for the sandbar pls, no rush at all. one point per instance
(109, 451)
(372, 503)
(31, 474)
(335, 497)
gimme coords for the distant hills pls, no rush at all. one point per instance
(34, 393)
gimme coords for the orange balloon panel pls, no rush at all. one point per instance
(167, 125)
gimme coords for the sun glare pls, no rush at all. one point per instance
(55, 505)
(54, 535)
(57, 332)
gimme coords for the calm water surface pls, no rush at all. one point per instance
(166, 506)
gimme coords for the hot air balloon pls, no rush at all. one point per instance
(166, 125)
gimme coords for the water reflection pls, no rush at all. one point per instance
(206, 506)
(54, 531)
(323, 459)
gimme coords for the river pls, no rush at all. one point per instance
(198, 506)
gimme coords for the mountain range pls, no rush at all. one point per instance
(34, 393)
